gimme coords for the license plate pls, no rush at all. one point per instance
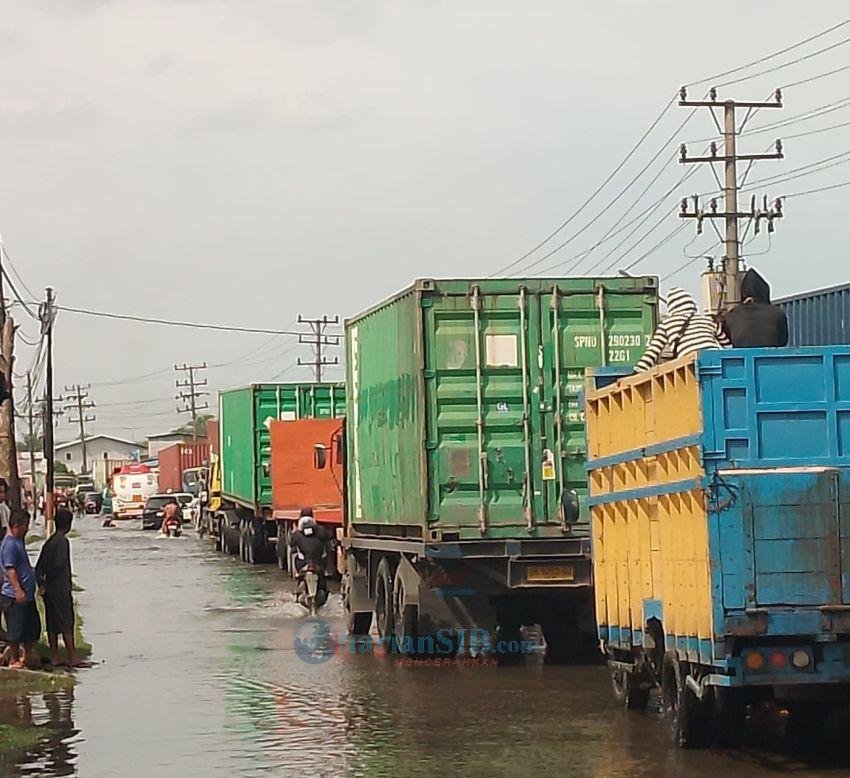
(137, 498)
(549, 573)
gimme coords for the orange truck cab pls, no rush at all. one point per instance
(297, 483)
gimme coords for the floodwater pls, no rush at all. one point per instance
(198, 676)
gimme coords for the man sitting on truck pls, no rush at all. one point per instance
(309, 542)
(756, 322)
(683, 331)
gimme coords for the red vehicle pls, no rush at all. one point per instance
(297, 483)
(176, 459)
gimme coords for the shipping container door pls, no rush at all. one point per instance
(779, 537)
(606, 326)
(483, 412)
(271, 403)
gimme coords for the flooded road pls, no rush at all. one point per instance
(199, 677)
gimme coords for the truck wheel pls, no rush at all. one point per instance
(282, 546)
(243, 554)
(384, 599)
(806, 727)
(256, 538)
(728, 717)
(405, 621)
(685, 713)
(628, 690)
(357, 623)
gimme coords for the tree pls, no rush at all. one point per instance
(61, 468)
(37, 440)
(200, 426)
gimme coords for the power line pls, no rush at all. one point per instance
(664, 111)
(816, 78)
(175, 323)
(590, 199)
(17, 274)
(815, 191)
(784, 65)
(767, 57)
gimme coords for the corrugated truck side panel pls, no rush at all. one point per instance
(385, 425)
(818, 318)
(214, 436)
(650, 532)
(750, 511)
(238, 456)
(498, 419)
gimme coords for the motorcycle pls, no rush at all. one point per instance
(312, 587)
(171, 528)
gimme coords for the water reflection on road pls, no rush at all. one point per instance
(200, 678)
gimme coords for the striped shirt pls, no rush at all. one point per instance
(684, 331)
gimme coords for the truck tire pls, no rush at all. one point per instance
(405, 620)
(282, 546)
(685, 714)
(255, 542)
(805, 729)
(628, 689)
(384, 577)
(728, 717)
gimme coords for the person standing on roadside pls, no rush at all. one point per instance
(53, 574)
(23, 624)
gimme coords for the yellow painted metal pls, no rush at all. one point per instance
(653, 547)
(643, 409)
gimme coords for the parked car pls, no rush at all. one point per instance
(92, 502)
(155, 506)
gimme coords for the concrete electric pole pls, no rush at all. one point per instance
(192, 393)
(731, 280)
(79, 402)
(318, 339)
(8, 447)
(47, 314)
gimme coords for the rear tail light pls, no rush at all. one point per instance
(755, 661)
(801, 660)
(778, 660)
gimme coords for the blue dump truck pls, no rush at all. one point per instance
(720, 502)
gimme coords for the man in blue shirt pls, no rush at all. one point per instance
(18, 592)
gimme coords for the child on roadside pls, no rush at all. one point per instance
(23, 624)
(53, 573)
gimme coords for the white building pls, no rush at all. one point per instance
(158, 442)
(97, 447)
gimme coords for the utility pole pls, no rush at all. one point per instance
(47, 314)
(8, 445)
(194, 391)
(318, 339)
(31, 421)
(79, 402)
(731, 280)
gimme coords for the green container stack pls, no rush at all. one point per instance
(245, 415)
(463, 413)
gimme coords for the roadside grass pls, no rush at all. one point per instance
(84, 649)
(15, 738)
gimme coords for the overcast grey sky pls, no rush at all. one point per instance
(243, 161)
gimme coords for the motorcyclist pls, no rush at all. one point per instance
(309, 541)
(171, 519)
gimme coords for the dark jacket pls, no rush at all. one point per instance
(310, 543)
(756, 322)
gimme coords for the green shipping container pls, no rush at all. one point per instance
(463, 412)
(245, 439)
